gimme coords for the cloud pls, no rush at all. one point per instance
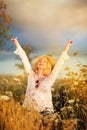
(49, 14)
(48, 23)
(6, 55)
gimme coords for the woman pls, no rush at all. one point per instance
(40, 78)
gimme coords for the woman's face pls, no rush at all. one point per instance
(42, 63)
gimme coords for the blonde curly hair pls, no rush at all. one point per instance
(50, 64)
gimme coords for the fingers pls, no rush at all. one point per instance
(14, 39)
(70, 41)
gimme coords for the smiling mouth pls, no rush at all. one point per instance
(41, 64)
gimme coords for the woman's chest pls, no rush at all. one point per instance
(34, 82)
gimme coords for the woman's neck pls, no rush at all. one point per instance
(40, 74)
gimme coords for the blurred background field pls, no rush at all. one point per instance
(69, 99)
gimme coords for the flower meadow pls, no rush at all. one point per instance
(69, 100)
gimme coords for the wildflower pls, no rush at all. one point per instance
(75, 53)
(4, 97)
(5, 80)
(16, 79)
(75, 83)
(71, 101)
(9, 93)
(67, 68)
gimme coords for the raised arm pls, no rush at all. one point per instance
(21, 53)
(69, 43)
(63, 58)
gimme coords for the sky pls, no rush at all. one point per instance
(46, 26)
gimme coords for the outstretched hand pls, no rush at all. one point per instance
(15, 41)
(69, 43)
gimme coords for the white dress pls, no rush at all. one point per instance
(40, 97)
